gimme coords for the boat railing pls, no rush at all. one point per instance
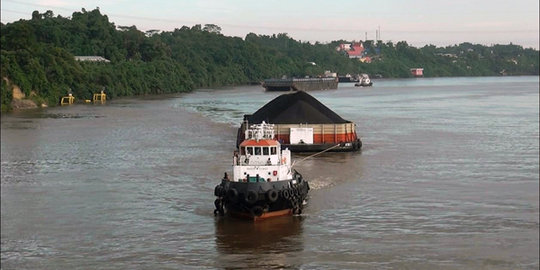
(260, 131)
(253, 160)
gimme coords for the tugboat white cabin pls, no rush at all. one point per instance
(261, 157)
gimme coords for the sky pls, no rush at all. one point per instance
(418, 22)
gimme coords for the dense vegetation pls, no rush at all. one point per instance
(38, 56)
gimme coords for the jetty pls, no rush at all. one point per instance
(100, 97)
(67, 100)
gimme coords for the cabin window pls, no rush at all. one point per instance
(265, 151)
(250, 150)
(273, 150)
(257, 151)
(242, 151)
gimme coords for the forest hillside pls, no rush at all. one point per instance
(38, 56)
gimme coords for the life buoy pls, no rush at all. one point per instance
(232, 194)
(256, 211)
(272, 195)
(251, 197)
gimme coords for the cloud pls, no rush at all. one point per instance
(52, 3)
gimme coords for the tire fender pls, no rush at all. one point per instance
(272, 195)
(251, 197)
(232, 194)
(256, 211)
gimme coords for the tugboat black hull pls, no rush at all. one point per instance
(261, 200)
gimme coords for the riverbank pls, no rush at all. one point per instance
(20, 102)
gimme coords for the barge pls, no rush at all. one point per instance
(348, 78)
(300, 84)
(303, 124)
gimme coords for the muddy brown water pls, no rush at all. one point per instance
(448, 178)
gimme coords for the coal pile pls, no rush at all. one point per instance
(294, 108)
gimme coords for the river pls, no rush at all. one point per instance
(448, 178)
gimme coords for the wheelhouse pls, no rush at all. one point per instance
(263, 152)
(260, 157)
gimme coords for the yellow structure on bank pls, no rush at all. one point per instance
(68, 100)
(101, 97)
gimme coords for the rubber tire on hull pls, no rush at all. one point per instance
(232, 195)
(252, 197)
(272, 195)
(256, 211)
(218, 191)
(286, 194)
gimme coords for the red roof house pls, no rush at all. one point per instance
(356, 50)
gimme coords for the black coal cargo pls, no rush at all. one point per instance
(302, 123)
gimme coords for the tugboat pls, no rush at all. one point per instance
(364, 81)
(264, 183)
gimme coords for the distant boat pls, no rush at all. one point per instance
(348, 78)
(300, 84)
(364, 81)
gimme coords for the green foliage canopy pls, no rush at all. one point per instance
(38, 56)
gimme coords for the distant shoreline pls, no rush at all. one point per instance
(22, 104)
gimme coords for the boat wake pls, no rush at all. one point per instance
(322, 183)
